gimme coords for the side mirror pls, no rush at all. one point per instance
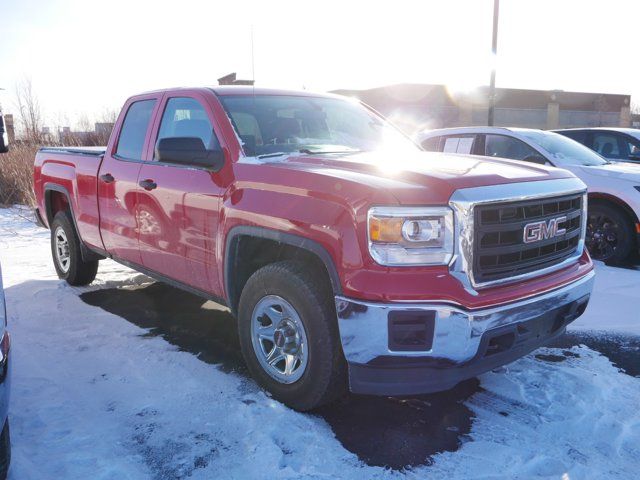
(539, 159)
(189, 151)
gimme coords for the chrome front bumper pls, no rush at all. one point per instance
(457, 334)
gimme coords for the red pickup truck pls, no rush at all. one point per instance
(351, 258)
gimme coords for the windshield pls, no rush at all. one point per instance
(563, 150)
(275, 124)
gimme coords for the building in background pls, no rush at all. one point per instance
(231, 79)
(416, 106)
(99, 135)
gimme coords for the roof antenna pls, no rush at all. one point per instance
(253, 64)
(253, 78)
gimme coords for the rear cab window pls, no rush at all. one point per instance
(134, 130)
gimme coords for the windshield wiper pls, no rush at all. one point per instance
(274, 154)
(308, 151)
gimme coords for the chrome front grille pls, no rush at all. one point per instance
(490, 224)
(501, 249)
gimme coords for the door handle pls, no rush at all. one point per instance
(107, 178)
(148, 184)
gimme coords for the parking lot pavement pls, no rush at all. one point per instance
(381, 431)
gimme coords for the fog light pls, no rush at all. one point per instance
(411, 331)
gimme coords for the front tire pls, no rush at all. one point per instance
(66, 252)
(289, 335)
(610, 234)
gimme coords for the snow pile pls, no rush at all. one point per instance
(614, 306)
(95, 398)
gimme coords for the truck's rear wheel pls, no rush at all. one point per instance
(289, 336)
(65, 250)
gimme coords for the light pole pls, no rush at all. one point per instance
(494, 51)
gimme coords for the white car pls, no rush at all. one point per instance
(613, 229)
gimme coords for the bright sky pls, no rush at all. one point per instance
(86, 56)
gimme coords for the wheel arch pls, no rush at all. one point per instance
(605, 198)
(235, 276)
(56, 199)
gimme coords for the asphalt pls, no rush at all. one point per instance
(381, 431)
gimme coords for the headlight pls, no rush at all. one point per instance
(411, 235)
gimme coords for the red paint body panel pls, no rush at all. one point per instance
(79, 178)
(180, 229)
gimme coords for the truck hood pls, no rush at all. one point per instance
(629, 172)
(420, 177)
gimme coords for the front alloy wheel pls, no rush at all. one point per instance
(289, 334)
(279, 339)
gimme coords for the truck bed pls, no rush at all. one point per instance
(93, 151)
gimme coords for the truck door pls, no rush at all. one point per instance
(118, 178)
(180, 201)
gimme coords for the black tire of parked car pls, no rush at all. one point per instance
(610, 234)
(325, 376)
(78, 271)
(5, 451)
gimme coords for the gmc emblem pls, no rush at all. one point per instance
(538, 231)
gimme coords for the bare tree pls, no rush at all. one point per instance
(29, 110)
(108, 115)
(104, 125)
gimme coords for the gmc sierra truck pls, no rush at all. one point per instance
(348, 260)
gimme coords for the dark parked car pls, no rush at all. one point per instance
(5, 444)
(616, 144)
(4, 139)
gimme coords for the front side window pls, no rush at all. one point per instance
(186, 117)
(607, 145)
(272, 124)
(134, 130)
(508, 147)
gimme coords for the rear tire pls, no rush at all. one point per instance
(5, 451)
(66, 252)
(287, 312)
(610, 234)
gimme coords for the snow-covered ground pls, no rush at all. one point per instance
(94, 397)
